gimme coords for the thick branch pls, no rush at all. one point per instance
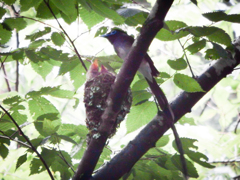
(123, 80)
(146, 139)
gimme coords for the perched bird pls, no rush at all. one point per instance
(97, 88)
(122, 44)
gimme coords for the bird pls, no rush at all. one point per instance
(122, 44)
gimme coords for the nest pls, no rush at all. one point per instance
(95, 95)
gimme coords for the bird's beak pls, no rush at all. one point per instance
(104, 35)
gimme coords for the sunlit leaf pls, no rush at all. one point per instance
(178, 64)
(137, 118)
(187, 83)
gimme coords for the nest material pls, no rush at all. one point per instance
(95, 96)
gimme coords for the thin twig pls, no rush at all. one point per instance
(29, 142)
(186, 58)
(20, 142)
(39, 22)
(5, 75)
(66, 34)
(235, 130)
(224, 162)
(16, 14)
(64, 159)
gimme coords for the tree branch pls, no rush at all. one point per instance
(16, 14)
(29, 142)
(146, 139)
(66, 34)
(123, 80)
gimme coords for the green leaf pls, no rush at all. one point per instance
(194, 2)
(36, 44)
(2, 12)
(47, 125)
(103, 10)
(197, 46)
(138, 118)
(137, 19)
(164, 75)
(102, 30)
(71, 130)
(211, 54)
(5, 35)
(163, 141)
(39, 34)
(140, 85)
(36, 142)
(216, 53)
(22, 159)
(112, 62)
(4, 151)
(50, 127)
(53, 91)
(187, 143)
(59, 165)
(84, 4)
(178, 64)
(6, 124)
(187, 120)
(192, 172)
(36, 167)
(235, 18)
(76, 70)
(9, 2)
(26, 4)
(139, 96)
(221, 16)
(78, 76)
(36, 56)
(44, 12)
(68, 65)
(172, 33)
(66, 138)
(198, 158)
(17, 113)
(220, 36)
(38, 68)
(200, 31)
(55, 54)
(90, 18)
(187, 83)
(15, 23)
(12, 101)
(212, 33)
(58, 38)
(68, 8)
(39, 106)
(18, 55)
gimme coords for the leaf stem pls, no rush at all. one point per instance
(187, 59)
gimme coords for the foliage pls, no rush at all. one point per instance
(42, 80)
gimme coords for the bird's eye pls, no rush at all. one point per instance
(114, 32)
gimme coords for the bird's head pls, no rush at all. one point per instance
(114, 34)
(94, 71)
